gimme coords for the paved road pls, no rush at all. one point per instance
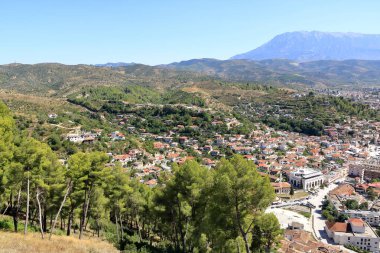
(316, 224)
(318, 220)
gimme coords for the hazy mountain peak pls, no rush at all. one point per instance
(115, 64)
(315, 45)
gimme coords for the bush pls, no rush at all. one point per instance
(306, 214)
(130, 248)
(355, 248)
(6, 224)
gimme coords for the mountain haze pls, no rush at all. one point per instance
(115, 64)
(327, 73)
(314, 46)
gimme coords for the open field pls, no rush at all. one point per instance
(303, 210)
(18, 243)
(297, 195)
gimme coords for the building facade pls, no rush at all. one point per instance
(306, 178)
(355, 232)
(281, 187)
(366, 170)
(371, 217)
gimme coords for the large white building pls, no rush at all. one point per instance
(355, 232)
(306, 178)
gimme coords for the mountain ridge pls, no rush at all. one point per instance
(53, 79)
(306, 46)
(283, 72)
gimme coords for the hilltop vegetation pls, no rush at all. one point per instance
(97, 98)
(307, 113)
(51, 79)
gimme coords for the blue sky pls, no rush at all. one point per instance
(164, 31)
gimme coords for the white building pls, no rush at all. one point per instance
(365, 169)
(306, 178)
(52, 116)
(355, 232)
(76, 138)
(371, 217)
(82, 137)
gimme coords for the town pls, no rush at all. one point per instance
(190, 126)
(326, 185)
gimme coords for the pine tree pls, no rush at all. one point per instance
(239, 195)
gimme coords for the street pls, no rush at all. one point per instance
(316, 223)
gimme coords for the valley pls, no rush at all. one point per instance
(189, 127)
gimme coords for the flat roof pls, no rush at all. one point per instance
(306, 173)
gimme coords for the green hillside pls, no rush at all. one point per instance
(53, 79)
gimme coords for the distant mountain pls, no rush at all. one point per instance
(348, 73)
(115, 64)
(314, 46)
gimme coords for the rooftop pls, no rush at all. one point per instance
(337, 226)
(356, 221)
(345, 228)
(306, 173)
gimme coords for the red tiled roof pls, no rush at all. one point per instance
(151, 182)
(336, 226)
(362, 186)
(121, 157)
(356, 221)
(344, 189)
(374, 185)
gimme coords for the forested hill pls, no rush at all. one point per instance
(52, 79)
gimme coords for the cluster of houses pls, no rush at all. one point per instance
(297, 240)
(288, 158)
(358, 230)
(365, 95)
(84, 136)
(360, 132)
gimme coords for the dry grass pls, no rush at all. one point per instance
(22, 103)
(18, 243)
(297, 195)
